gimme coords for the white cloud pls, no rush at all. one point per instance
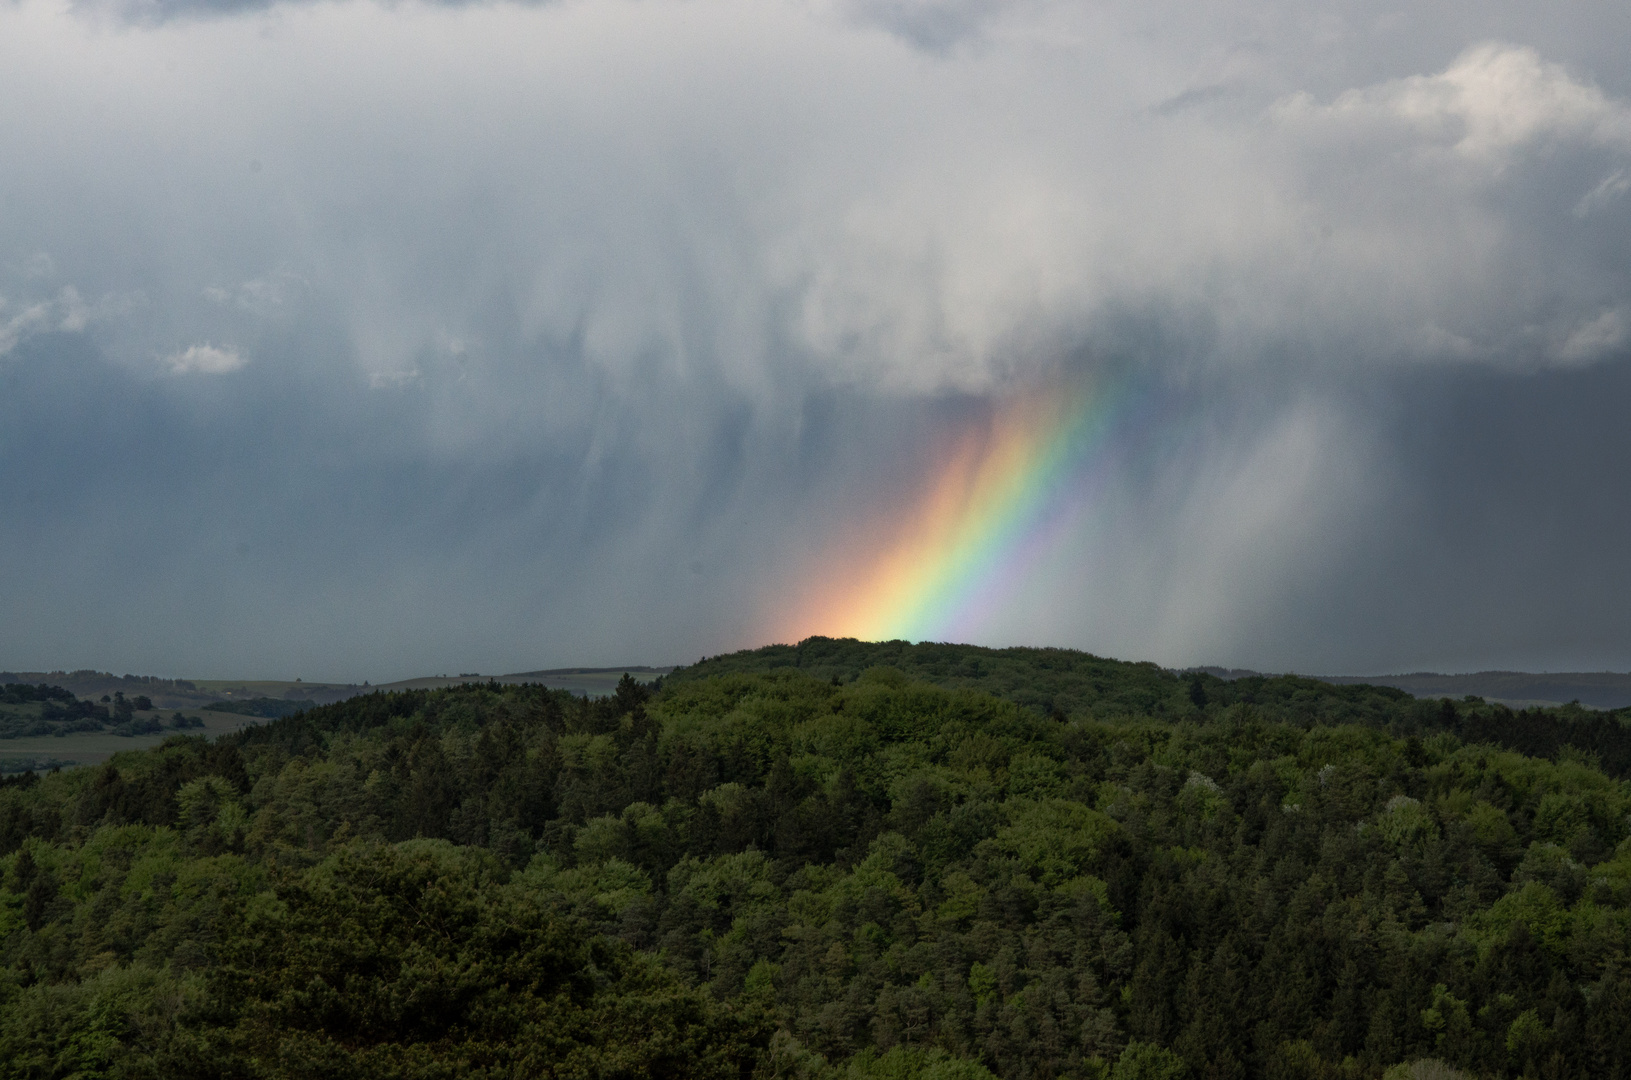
(392, 380)
(1493, 100)
(264, 296)
(1596, 339)
(14, 327)
(764, 193)
(1613, 185)
(66, 312)
(204, 360)
(73, 313)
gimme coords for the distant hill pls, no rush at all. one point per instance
(183, 693)
(1519, 689)
(1593, 689)
(85, 683)
(207, 693)
(1041, 678)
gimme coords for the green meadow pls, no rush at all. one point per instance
(90, 748)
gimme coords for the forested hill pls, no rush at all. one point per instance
(830, 874)
(1062, 681)
(1077, 685)
(1044, 679)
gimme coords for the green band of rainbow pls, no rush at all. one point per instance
(1004, 491)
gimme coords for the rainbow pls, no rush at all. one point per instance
(1006, 489)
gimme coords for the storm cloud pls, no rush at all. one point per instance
(358, 340)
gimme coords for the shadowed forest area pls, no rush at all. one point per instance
(836, 860)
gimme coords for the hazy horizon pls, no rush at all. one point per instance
(648, 665)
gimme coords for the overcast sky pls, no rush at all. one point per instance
(352, 340)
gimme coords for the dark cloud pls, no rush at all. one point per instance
(314, 526)
(1191, 99)
(934, 26)
(582, 332)
(1502, 529)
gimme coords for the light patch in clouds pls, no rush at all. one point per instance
(1493, 100)
(1241, 543)
(17, 324)
(1597, 339)
(1614, 185)
(67, 312)
(392, 380)
(263, 296)
(204, 360)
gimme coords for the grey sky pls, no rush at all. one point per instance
(355, 340)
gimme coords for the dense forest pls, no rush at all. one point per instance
(836, 861)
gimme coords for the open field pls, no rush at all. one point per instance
(596, 682)
(181, 693)
(193, 694)
(94, 747)
(91, 748)
(319, 693)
